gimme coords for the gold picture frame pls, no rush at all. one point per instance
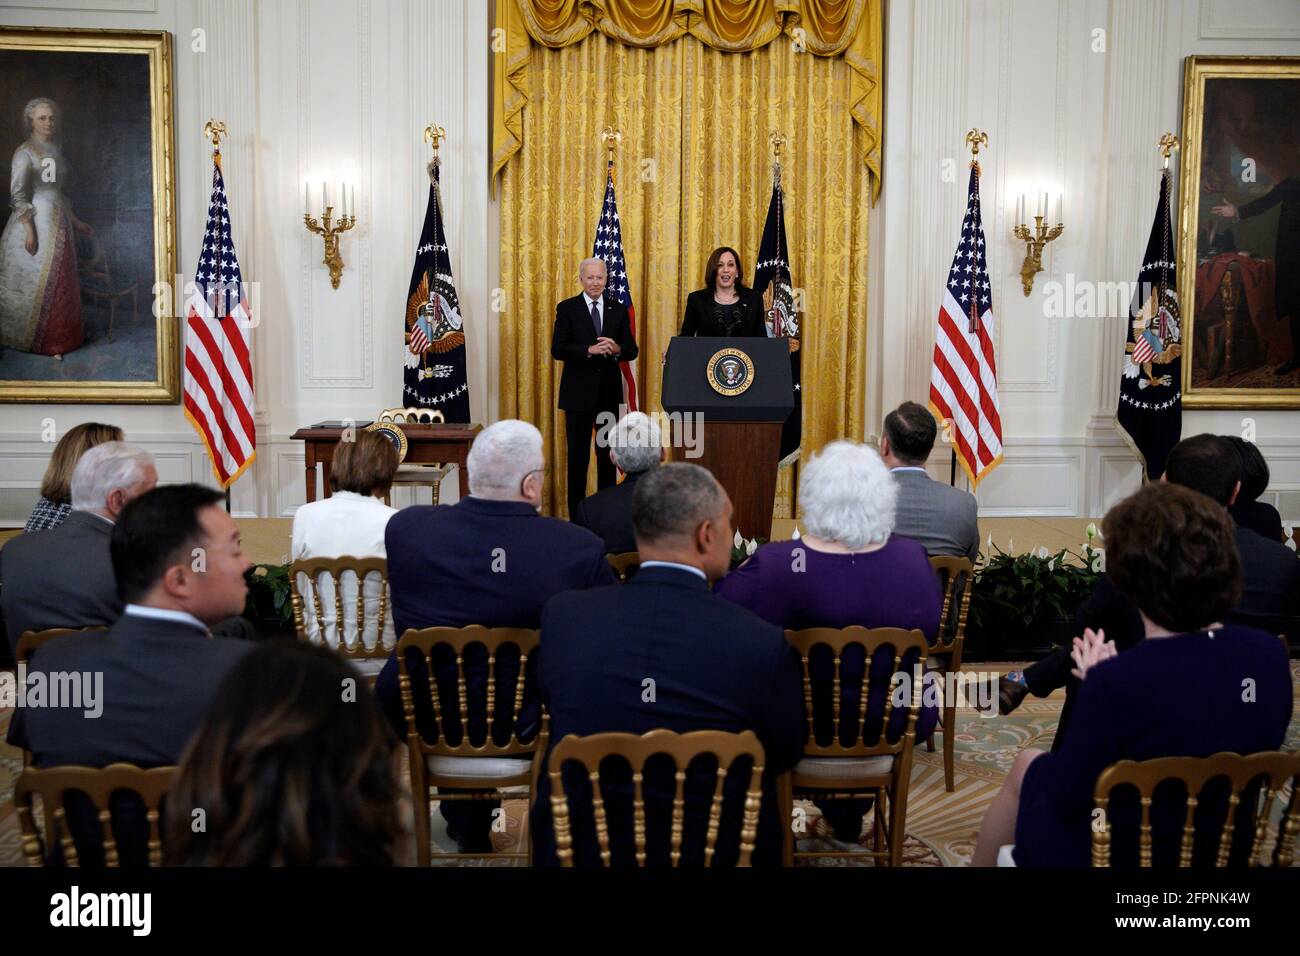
(122, 290)
(1233, 357)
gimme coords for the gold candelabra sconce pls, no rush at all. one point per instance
(326, 226)
(1037, 236)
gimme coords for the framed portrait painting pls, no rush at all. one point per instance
(1239, 248)
(89, 226)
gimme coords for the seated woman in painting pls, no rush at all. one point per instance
(40, 295)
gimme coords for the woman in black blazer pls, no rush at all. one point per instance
(725, 306)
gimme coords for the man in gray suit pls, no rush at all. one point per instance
(939, 516)
(147, 681)
(64, 577)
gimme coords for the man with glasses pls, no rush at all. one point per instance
(489, 559)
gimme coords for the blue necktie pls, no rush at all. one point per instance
(595, 318)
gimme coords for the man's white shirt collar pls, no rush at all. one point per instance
(165, 614)
(910, 468)
(600, 303)
(674, 564)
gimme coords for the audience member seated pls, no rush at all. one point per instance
(350, 522)
(178, 562)
(55, 503)
(64, 577)
(663, 652)
(489, 559)
(847, 569)
(1270, 593)
(634, 445)
(1178, 693)
(943, 518)
(1247, 510)
(288, 770)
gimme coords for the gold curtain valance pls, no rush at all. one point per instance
(848, 28)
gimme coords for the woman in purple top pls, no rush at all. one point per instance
(847, 569)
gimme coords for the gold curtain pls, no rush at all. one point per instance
(693, 172)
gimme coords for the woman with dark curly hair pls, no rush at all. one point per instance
(1194, 687)
(293, 766)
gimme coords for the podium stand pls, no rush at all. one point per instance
(741, 438)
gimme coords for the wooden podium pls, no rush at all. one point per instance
(741, 438)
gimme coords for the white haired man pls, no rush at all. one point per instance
(488, 559)
(635, 446)
(64, 577)
(592, 334)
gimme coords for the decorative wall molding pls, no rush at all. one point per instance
(1221, 20)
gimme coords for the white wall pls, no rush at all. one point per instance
(322, 88)
(1059, 116)
(345, 87)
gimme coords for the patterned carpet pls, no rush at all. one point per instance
(941, 826)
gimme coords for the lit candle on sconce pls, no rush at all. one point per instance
(1038, 235)
(327, 225)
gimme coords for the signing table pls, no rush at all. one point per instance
(428, 445)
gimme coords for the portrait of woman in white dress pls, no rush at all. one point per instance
(40, 294)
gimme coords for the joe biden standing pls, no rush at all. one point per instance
(592, 335)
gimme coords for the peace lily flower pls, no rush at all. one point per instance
(751, 546)
(796, 533)
(738, 539)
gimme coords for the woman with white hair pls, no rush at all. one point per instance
(847, 569)
(40, 294)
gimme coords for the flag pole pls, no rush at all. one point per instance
(975, 138)
(213, 130)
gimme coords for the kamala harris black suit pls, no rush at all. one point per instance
(589, 384)
(702, 316)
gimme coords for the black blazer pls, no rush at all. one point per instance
(590, 382)
(699, 314)
(715, 666)
(609, 514)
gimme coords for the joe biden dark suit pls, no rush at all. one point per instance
(589, 384)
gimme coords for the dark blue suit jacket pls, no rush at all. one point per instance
(494, 563)
(715, 666)
(609, 514)
(1168, 697)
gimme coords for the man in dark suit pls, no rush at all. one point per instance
(944, 519)
(634, 444)
(177, 560)
(663, 651)
(592, 335)
(64, 577)
(147, 681)
(489, 559)
(1270, 574)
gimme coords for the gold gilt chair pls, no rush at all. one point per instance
(836, 770)
(53, 786)
(28, 644)
(472, 771)
(1273, 769)
(957, 576)
(413, 474)
(320, 584)
(592, 751)
(624, 564)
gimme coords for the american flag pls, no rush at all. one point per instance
(218, 370)
(608, 246)
(964, 377)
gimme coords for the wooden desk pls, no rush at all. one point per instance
(428, 444)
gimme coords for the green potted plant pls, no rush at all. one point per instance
(1022, 604)
(270, 601)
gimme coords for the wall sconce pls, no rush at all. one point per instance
(1036, 239)
(326, 227)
